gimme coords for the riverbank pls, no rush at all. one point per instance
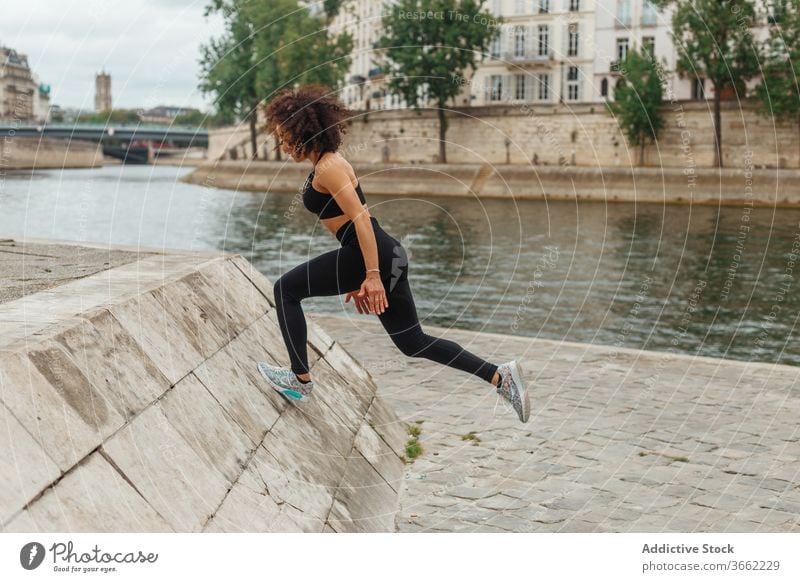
(619, 440)
(730, 187)
(31, 153)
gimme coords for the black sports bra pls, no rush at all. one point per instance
(324, 204)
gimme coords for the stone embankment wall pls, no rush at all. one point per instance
(131, 402)
(25, 153)
(748, 186)
(584, 135)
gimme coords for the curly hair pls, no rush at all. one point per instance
(315, 120)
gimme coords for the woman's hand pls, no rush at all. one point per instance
(359, 300)
(371, 297)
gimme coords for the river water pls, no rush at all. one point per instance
(704, 280)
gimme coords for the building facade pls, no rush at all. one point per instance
(544, 52)
(365, 86)
(18, 88)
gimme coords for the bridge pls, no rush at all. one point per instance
(128, 142)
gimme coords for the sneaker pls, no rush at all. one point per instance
(512, 388)
(284, 381)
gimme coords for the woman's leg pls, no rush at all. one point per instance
(332, 273)
(400, 320)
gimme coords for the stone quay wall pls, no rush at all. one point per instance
(584, 135)
(132, 402)
(28, 153)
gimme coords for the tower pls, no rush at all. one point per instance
(102, 92)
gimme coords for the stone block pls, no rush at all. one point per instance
(380, 455)
(132, 382)
(174, 348)
(166, 471)
(240, 302)
(63, 419)
(300, 478)
(205, 426)
(232, 378)
(93, 497)
(347, 402)
(261, 283)
(364, 502)
(25, 466)
(254, 504)
(385, 422)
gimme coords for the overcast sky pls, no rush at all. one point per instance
(151, 48)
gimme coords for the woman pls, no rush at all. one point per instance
(371, 266)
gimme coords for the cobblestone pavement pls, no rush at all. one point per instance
(618, 440)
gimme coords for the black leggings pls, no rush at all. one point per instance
(342, 270)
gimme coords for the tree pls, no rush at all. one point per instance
(638, 99)
(270, 45)
(429, 46)
(713, 40)
(227, 65)
(192, 119)
(123, 116)
(778, 93)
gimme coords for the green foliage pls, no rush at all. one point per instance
(227, 63)
(638, 100)
(413, 447)
(120, 116)
(429, 46)
(714, 40)
(778, 93)
(269, 45)
(291, 46)
(471, 436)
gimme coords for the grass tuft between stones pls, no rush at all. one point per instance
(413, 447)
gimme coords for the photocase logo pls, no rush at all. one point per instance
(31, 555)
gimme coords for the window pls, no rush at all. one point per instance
(544, 6)
(572, 46)
(604, 87)
(649, 14)
(572, 74)
(543, 86)
(699, 89)
(572, 84)
(520, 87)
(519, 41)
(649, 46)
(624, 12)
(572, 92)
(496, 88)
(622, 49)
(544, 40)
(574, 5)
(494, 49)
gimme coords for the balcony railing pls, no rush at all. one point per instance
(528, 58)
(615, 66)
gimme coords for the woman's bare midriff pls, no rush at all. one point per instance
(335, 223)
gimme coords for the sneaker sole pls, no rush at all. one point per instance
(516, 374)
(292, 395)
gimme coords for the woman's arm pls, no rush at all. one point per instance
(372, 293)
(336, 181)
